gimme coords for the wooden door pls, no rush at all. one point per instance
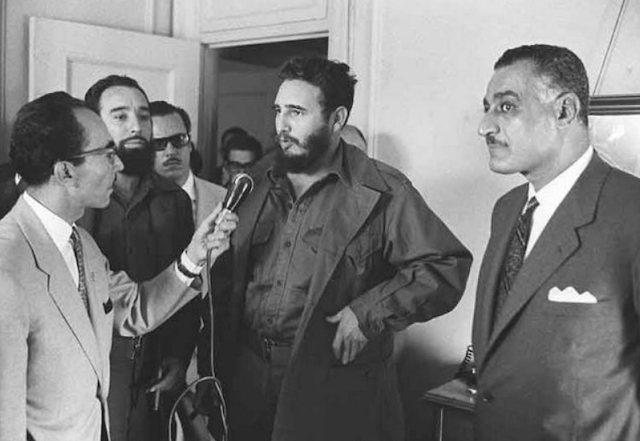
(71, 57)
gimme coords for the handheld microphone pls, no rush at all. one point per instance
(239, 189)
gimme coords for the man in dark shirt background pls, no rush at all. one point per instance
(143, 229)
(334, 253)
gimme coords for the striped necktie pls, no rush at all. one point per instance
(82, 279)
(515, 256)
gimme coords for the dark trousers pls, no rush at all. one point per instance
(254, 390)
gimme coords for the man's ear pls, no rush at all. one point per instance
(339, 118)
(64, 172)
(567, 108)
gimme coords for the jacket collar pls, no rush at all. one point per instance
(559, 240)
(363, 186)
(60, 283)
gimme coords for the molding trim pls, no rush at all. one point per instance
(4, 136)
(149, 16)
(340, 25)
(374, 70)
(614, 105)
(267, 34)
(208, 112)
(186, 19)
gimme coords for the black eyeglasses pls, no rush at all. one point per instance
(178, 141)
(235, 165)
(108, 150)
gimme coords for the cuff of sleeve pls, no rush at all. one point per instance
(188, 264)
(368, 324)
(182, 276)
(187, 272)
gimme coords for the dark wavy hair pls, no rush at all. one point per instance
(46, 131)
(559, 65)
(230, 133)
(93, 95)
(333, 79)
(163, 108)
(243, 142)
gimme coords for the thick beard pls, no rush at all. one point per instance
(136, 161)
(315, 147)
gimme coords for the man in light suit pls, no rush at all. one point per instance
(556, 330)
(59, 299)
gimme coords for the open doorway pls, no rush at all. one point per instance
(248, 83)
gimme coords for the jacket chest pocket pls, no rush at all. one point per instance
(366, 250)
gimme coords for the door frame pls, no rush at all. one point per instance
(351, 28)
(4, 136)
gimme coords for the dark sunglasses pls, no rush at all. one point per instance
(178, 141)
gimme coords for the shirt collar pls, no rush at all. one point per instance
(58, 228)
(555, 191)
(190, 186)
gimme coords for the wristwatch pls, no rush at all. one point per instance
(183, 269)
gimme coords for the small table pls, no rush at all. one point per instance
(451, 395)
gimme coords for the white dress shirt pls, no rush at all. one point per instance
(60, 232)
(190, 188)
(551, 196)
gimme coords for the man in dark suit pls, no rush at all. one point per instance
(556, 330)
(60, 300)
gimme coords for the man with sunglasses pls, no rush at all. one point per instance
(174, 149)
(172, 144)
(60, 300)
(144, 227)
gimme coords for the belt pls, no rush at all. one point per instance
(263, 346)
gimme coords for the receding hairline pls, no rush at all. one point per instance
(124, 87)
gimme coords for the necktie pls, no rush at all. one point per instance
(82, 279)
(515, 256)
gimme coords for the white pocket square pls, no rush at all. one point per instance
(570, 295)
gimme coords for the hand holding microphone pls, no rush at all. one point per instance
(213, 234)
(240, 187)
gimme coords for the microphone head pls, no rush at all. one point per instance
(239, 189)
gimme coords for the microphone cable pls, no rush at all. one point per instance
(241, 185)
(222, 406)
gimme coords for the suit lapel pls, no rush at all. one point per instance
(558, 241)
(60, 283)
(204, 204)
(502, 228)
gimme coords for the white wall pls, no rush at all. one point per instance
(151, 16)
(431, 63)
(245, 100)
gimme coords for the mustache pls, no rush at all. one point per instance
(491, 140)
(283, 137)
(172, 160)
(122, 143)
